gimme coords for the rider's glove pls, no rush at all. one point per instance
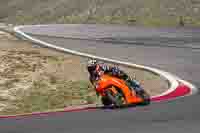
(115, 71)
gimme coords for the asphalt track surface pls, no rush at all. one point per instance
(173, 50)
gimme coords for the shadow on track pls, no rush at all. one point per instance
(123, 106)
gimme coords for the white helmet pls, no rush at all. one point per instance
(91, 65)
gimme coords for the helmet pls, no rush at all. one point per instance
(91, 65)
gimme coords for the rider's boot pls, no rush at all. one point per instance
(134, 86)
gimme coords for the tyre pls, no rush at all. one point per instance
(140, 92)
(145, 97)
(116, 99)
(106, 101)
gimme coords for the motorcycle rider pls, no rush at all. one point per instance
(95, 69)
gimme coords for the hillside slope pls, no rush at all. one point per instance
(139, 12)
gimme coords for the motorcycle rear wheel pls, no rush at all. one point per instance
(145, 96)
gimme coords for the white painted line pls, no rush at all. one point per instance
(2, 33)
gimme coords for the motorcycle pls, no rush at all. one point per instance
(115, 92)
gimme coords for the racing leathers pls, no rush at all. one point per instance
(116, 72)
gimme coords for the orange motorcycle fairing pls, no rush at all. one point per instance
(107, 81)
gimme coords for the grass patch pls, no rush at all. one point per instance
(40, 97)
(32, 81)
(153, 12)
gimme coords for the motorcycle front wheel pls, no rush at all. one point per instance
(116, 99)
